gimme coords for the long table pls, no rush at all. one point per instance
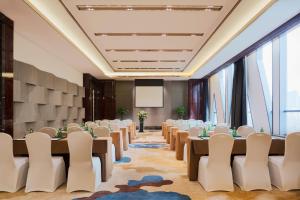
(101, 147)
(198, 147)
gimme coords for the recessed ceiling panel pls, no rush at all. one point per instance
(168, 32)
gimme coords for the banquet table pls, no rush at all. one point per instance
(101, 147)
(197, 147)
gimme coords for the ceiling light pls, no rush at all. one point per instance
(129, 9)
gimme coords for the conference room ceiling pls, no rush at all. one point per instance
(152, 35)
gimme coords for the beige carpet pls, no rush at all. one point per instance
(160, 162)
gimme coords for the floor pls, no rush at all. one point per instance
(142, 162)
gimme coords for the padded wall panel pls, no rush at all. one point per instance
(37, 94)
(25, 73)
(72, 88)
(81, 91)
(78, 101)
(25, 112)
(60, 84)
(55, 97)
(73, 113)
(46, 79)
(68, 100)
(42, 99)
(62, 112)
(47, 112)
(19, 130)
(19, 91)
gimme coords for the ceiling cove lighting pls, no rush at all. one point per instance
(150, 34)
(148, 50)
(145, 61)
(149, 7)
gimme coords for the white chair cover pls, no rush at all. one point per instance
(214, 172)
(221, 129)
(244, 131)
(73, 129)
(73, 124)
(195, 131)
(13, 170)
(103, 131)
(46, 173)
(104, 123)
(285, 170)
(48, 130)
(85, 170)
(251, 172)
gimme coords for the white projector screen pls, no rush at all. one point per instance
(149, 96)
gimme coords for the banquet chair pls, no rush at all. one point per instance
(73, 129)
(221, 129)
(102, 131)
(48, 130)
(13, 170)
(73, 124)
(193, 132)
(84, 170)
(46, 172)
(244, 131)
(214, 172)
(251, 172)
(285, 170)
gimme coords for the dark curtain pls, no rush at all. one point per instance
(197, 98)
(238, 104)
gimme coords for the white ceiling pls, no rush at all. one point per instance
(149, 21)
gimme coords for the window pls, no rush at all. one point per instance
(265, 65)
(290, 81)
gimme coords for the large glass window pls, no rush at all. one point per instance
(290, 81)
(265, 66)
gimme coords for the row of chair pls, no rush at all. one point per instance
(255, 170)
(44, 172)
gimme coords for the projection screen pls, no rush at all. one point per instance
(149, 96)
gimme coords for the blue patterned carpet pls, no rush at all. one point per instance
(124, 159)
(133, 191)
(144, 195)
(147, 145)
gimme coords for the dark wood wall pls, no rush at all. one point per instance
(6, 74)
(198, 99)
(99, 101)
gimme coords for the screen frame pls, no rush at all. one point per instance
(163, 97)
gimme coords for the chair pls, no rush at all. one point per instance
(104, 123)
(285, 170)
(195, 131)
(48, 130)
(244, 131)
(73, 129)
(214, 172)
(46, 173)
(251, 172)
(221, 129)
(85, 170)
(13, 170)
(73, 124)
(103, 131)
(93, 125)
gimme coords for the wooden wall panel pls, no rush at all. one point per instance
(6, 67)
(197, 98)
